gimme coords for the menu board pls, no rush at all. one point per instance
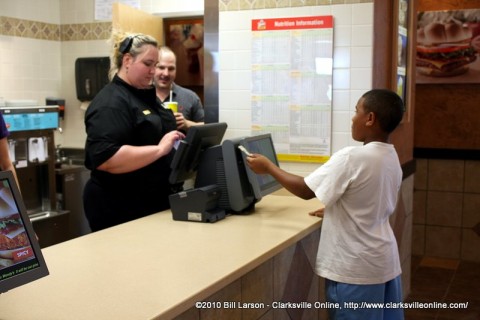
(31, 118)
(291, 98)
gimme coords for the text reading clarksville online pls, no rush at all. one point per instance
(330, 305)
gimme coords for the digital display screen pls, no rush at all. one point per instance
(31, 118)
(15, 248)
(262, 184)
(31, 121)
(264, 147)
(21, 260)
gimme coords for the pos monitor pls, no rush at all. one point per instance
(198, 204)
(262, 184)
(223, 182)
(21, 260)
(225, 166)
(189, 150)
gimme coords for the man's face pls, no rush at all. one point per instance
(166, 71)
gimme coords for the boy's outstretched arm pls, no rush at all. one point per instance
(293, 183)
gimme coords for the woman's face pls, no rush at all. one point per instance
(139, 70)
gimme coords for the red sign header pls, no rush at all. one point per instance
(318, 22)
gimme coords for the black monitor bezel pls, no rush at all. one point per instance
(187, 156)
(40, 271)
(258, 189)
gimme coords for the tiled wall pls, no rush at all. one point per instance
(40, 41)
(38, 54)
(352, 70)
(15, 27)
(446, 214)
(37, 61)
(230, 5)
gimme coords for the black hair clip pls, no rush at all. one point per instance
(126, 44)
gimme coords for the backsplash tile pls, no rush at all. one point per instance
(421, 174)
(443, 242)
(418, 240)
(446, 175)
(446, 210)
(47, 31)
(419, 206)
(471, 210)
(87, 31)
(29, 29)
(472, 176)
(470, 245)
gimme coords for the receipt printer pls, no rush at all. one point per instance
(199, 204)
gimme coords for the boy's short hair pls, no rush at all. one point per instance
(387, 106)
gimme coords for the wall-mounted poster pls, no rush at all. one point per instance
(292, 65)
(448, 46)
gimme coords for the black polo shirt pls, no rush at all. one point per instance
(123, 115)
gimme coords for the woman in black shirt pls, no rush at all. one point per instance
(130, 137)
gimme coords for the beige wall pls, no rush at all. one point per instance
(40, 41)
(39, 47)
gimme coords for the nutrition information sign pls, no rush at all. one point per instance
(292, 63)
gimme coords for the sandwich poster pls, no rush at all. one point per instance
(448, 46)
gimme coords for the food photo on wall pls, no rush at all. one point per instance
(448, 46)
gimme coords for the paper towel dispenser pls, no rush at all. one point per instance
(91, 75)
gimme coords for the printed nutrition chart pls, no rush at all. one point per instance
(292, 62)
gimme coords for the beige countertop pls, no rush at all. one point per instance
(156, 267)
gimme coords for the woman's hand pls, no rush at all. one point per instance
(130, 158)
(168, 141)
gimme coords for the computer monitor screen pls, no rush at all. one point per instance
(262, 184)
(21, 260)
(189, 150)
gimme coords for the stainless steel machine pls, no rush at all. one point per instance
(32, 150)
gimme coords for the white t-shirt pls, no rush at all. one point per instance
(359, 187)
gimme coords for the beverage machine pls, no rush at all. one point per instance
(32, 150)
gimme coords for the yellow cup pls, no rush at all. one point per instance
(172, 105)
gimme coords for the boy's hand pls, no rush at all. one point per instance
(318, 212)
(258, 163)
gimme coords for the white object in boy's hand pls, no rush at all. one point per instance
(242, 148)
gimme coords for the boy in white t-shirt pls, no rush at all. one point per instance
(359, 185)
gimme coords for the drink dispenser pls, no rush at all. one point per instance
(32, 150)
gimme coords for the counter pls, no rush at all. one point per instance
(156, 267)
